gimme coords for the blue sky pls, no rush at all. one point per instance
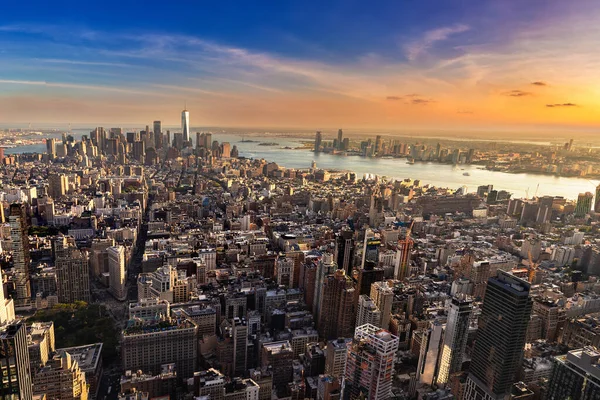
(421, 64)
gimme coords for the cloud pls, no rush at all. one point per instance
(430, 38)
(539, 83)
(420, 102)
(562, 105)
(412, 99)
(82, 87)
(517, 93)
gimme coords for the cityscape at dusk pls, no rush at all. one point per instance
(295, 201)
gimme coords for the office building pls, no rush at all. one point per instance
(455, 338)
(51, 148)
(402, 266)
(58, 185)
(7, 306)
(117, 273)
(584, 204)
(500, 337)
(61, 378)
(575, 375)
(597, 200)
(344, 250)
(367, 275)
(158, 139)
(430, 350)
(318, 141)
(89, 359)
(14, 361)
(279, 355)
(73, 277)
(383, 296)
(370, 364)
(20, 252)
(185, 124)
(340, 139)
(337, 312)
(148, 346)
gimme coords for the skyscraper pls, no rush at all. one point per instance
(73, 277)
(318, 140)
(116, 270)
(344, 250)
(584, 204)
(14, 361)
(340, 139)
(455, 339)
(500, 338)
(185, 124)
(337, 312)
(597, 204)
(575, 375)
(158, 139)
(51, 148)
(20, 252)
(370, 364)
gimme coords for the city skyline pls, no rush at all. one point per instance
(477, 66)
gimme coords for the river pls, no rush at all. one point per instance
(442, 175)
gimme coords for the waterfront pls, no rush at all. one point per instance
(442, 175)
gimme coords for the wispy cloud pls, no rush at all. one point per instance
(411, 99)
(517, 93)
(79, 62)
(81, 87)
(562, 105)
(539, 83)
(430, 38)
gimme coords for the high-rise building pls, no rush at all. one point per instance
(377, 144)
(430, 350)
(597, 200)
(368, 313)
(383, 296)
(575, 375)
(336, 353)
(370, 364)
(7, 306)
(116, 270)
(318, 141)
(185, 124)
(51, 148)
(61, 378)
(279, 355)
(344, 250)
(340, 139)
(326, 266)
(368, 275)
(402, 266)
(455, 337)
(337, 312)
(73, 277)
(500, 338)
(584, 204)
(240, 345)
(20, 252)
(371, 245)
(158, 139)
(14, 361)
(57, 185)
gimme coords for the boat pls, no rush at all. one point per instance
(466, 174)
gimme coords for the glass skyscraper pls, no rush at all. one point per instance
(185, 124)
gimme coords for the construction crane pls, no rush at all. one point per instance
(532, 267)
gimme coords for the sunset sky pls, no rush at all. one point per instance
(426, 64)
